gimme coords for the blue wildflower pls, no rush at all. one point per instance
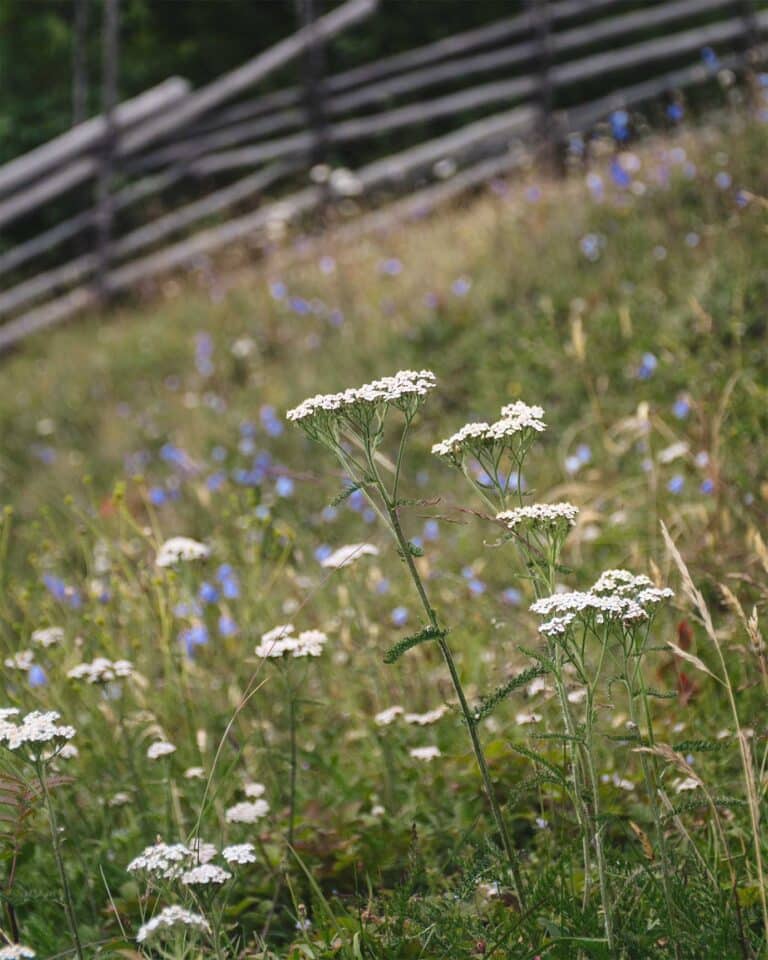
(648, 366)
(400, 616)
(37, 676)
(619, 121)
(431, 530)
(284, 486)
(208, 593)
(676, 484)
(681, 407)
(322, 552)
(227, 626)
(157, 496)
(512, 596)
(707, 486)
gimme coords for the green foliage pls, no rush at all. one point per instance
(407, 643)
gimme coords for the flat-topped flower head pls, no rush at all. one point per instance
(344, 556)
(525, 414)
(425, 753)
(171, 918)
(181, 549)
(563, 609)
(161, 861)
(101, 670)
(247, 811)
(465, 441)
(16, 951)
(47, 636)
(22, 660)
(282, 642)
(204, 875)
(511, 436)
(323, 415)
(240, 853)
(160, 748)
(540, 516)
(37, 732)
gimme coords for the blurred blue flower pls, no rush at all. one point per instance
(284, 486)
(724, 180)
(431, 530)
(216, 481)
(512, 596)
(710, 58)
(329, 514)
(382, 586)
(391, 267)
(619, 121)
(647, 367)
(619, 175)
(204, 354)
(194, 636)
(300, 306)
(476, 586)
(208, 593)
(399, 616)
(707, 486)
(277, 289)
(37, 676)
(676, 483)
(322, 552)
(681, 407)
(675, 112)
(227, 626)
(369, 515)
(157, 496)
(461, 286)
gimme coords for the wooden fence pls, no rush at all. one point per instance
(460, 104)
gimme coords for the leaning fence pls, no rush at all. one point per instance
(464, 104)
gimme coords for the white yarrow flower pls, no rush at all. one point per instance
(47, 636)
(247, 811)
(171, 917)
(35, 728)
(424, 719)
(239, 853)
(540, 515)
(205, 874)
(16, 951)
(101, 670)
(179, 549)
(425, 753)
(160, 748)
(347, 554)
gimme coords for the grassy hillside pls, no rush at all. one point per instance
(631, 305)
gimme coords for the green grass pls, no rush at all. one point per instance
(85, 415)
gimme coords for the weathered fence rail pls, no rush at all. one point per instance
(533, 61)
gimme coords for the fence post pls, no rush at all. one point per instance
(80, 63)
(313, 70)
(546, 134)
(104, 201)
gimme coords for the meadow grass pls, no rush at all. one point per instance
(602, 794)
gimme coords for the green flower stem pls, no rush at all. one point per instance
(650, 772)
(477, 748)
(69, 908)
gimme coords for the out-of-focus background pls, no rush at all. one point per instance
(139, 137)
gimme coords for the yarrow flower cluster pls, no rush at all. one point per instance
(16, 951)
(162, 860)
(540, 515)
(247, 811)
(321, 416)
(36, 728)
(47, 636)
(160, 748)
(617, 595)
(179, 549)
(101, 670)
(205, 874)
(514, 433)
(241, 853)
(170, 917)
(281, 642)
(347, 554)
